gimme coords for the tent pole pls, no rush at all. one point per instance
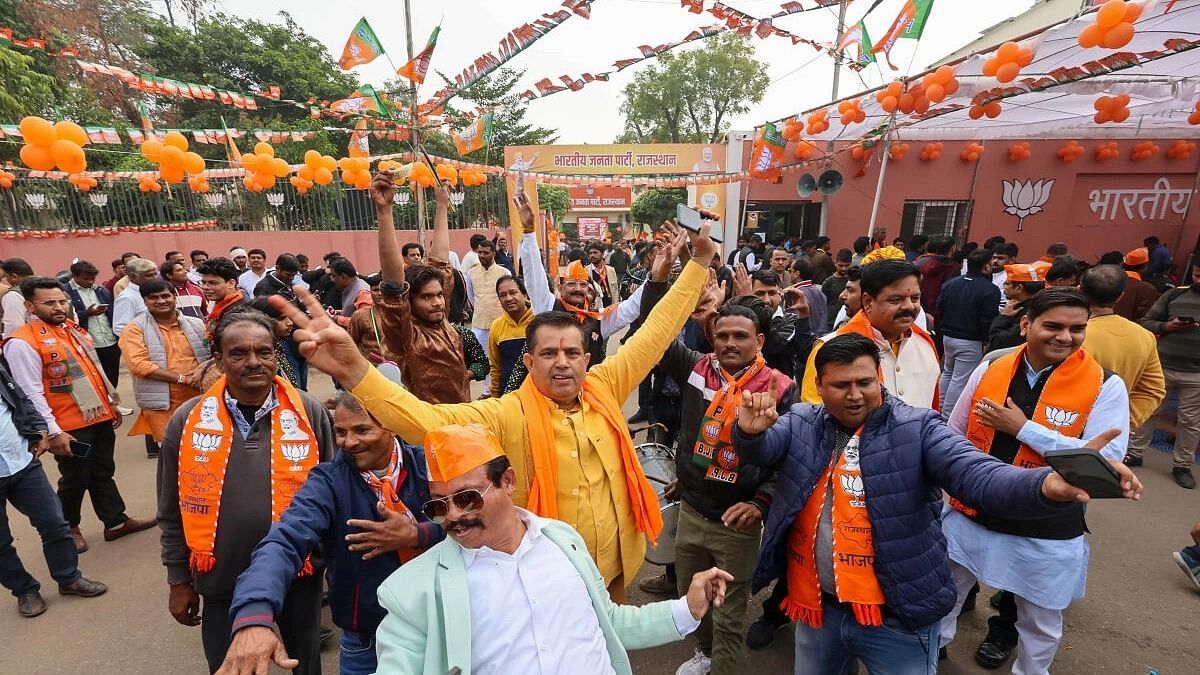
(887, 145)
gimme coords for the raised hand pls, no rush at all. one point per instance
(798, 303)
(382, 189)
(674, 240)
(528, 223)
(441, 194)
(703, 247)
(759, 411)
(741, 281)
(711, 297)
(322, 342)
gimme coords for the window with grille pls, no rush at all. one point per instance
(934, 218)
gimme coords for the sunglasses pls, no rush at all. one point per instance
(467, 501)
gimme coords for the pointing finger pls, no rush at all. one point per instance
(300, 319)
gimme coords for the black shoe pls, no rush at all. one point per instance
(1183, 477)
(84, 588)
(30, 604)
(642, 415)
(151, 455)
(943, 654)
(969, 601)
(995, 600)
(762, 633)
(1132, 462)
(992, 655)
(327, 635)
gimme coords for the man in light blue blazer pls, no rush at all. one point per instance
(508, 591)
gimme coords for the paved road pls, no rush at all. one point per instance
(1138, 615)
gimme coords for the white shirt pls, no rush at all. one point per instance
(531, 612)
(249, 279)
(14, 448)
(193, 276)
(13, 304)
(1000, 278)
(127, 305)
(469, 260)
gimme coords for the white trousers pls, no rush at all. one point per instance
(481, 334)
(1039, 629)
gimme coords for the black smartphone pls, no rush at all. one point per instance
(691, 220)
(1086, 469)
(79, 450)
(1187, 319)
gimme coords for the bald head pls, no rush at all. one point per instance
(1103, 285)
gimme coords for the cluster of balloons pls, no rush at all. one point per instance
(1143, 150)
(172, 157)
(53, 145)
(317, 170)
(447, 173)
(1111, 109)
(263, 168)
(1181, 150)
(82, 183)
(1018, 152)
(472, 177)
(939, 84)
(931, 151)
(851, 112)
(898, 151)
(356, 171)
(991, 110)
(421, 175)
(1194, 118)
(1008, 61)
(1071, 152)
(1113, 27)
(804, 150)
(198, 184)
(860, 151)
(1107, 151)
(971, 153)
(792, 128)
(6, 179)
(818, 122)
(896, 98)
(149, 184)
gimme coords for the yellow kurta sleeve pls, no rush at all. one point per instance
(808, 389)
(636, 358)
(133, 351)
(1147, 392)
(411, 418)
(493, 352)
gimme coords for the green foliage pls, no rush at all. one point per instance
(654, 205)
(555, 199)
(690, 96)
(23, 90)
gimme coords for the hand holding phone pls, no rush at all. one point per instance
(692, 220)
(1087, 470)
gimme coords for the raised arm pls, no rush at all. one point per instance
(541, 298)
(439, 248)
(391, 262)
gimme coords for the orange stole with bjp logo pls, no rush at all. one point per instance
(204, 457)
(1064, 404)
(714, 444)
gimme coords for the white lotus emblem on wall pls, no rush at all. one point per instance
(1026, 199)
(275, 199)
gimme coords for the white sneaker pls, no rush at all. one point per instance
(699, 664)
(125, 412)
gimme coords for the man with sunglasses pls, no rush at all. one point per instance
(364, 510)
(509, 591)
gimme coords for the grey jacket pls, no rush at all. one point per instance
(154, 394)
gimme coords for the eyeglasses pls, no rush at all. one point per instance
(467, 501)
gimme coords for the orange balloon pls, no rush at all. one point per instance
(265, 181)
(1025, 56)
(906, 102)
(322, 176)
(1120, 114)
(1091, 36)
(37, 131)
(951, 87)
(170, 156)
(306, 172)
(193, 163)
(1118, 36)
(1008, 52)
(171, 174)
(990, 67)
(1008, 72)
(68, 156)
(1111, 13)
(935, 92)
(279, 167)
(328, 162)
(1133, 10)
(37, 157)
(71, 131)
(992, 110)
(312, 158)
(264, 148)
(176, 140)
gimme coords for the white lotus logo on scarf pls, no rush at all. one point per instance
(205, 443)
(1060, 417)
(295, 453)
(853, 485)
(1026, 199)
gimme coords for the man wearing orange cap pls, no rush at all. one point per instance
(1021, 283)
(1139, 295)
(533, 600)
(564, 429)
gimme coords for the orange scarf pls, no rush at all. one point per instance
(1064, 404)
(543, 494)
(204, 458)
(1133, 275)
(586, 312)
(385, 489)
(853, 547)
(218, 310)
(859, 323)
(715, 440)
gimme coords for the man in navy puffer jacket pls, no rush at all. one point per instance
(363, 542)
(877, 597)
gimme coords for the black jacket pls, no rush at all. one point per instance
(788, 345)
(270, 285)
(103, 295)
(29, 423)
(1005, 330)
(966, 307)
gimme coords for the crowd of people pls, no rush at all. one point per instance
(862, 430)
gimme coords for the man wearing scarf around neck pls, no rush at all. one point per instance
(724, 500)
(563, 429)
(364, 510)
(218, 279)
(232, 461)
(854, 526)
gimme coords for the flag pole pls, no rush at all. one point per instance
(823, 229)
(413, 131)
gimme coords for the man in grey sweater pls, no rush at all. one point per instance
(254, 400)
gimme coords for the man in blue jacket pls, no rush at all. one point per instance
(871, 469)
(364, 510)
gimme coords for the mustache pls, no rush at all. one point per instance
(905, 315)
(462, 522)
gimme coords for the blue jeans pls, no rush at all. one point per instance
(29, 491)
(357, 656)
(890, 649)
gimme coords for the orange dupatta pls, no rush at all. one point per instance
(204, 457)
(385, 489)
(543, 493)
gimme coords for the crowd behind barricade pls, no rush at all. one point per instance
(862, 434)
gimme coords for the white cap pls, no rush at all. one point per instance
(237, 253)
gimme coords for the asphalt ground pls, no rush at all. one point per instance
(1138, 616)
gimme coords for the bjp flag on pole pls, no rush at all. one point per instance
(361, 47)
(475, 136)
(359, 143)
(416, 69)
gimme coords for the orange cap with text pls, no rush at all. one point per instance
(455, 449)
(575, 272)
(1021, 273)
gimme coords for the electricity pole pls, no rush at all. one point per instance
(837, 77)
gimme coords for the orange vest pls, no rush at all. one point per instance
(52, 344)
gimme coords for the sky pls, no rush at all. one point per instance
(800, 77)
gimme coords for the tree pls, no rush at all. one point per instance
(23, 91)
(554, 198)
(654, 205)
(689, 97)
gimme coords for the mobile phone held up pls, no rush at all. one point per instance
(691, 220)
(1087, 470)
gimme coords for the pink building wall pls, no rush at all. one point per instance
(1067, 215)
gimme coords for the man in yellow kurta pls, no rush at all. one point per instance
(563, 430)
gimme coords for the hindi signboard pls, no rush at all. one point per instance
(592, 228)
(599, 197)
